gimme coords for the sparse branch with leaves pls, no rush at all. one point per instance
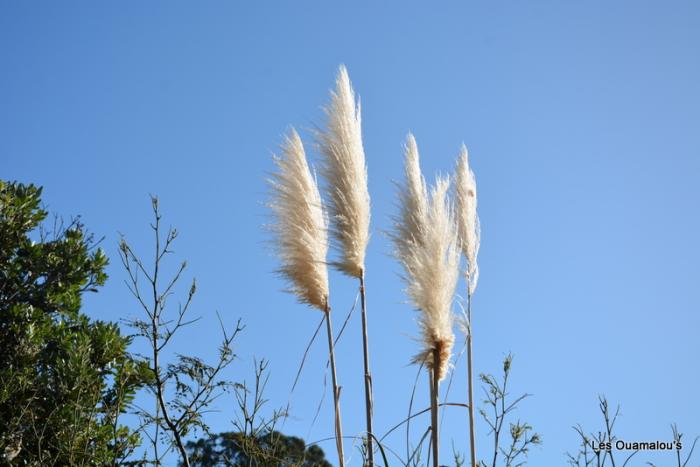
(185, 388)
(591, 454)
(498, 407)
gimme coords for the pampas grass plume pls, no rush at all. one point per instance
(467, 217)
(301, 227)
(427, 246)
(345, 171)
(413, 200)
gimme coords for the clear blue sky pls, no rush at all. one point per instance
(582, 123)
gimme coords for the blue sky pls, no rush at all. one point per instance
(582, 123)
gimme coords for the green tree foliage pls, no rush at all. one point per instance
(271, 449)
(64, 379)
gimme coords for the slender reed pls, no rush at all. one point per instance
(469, 237)
(369, 398)
(349, 205)
(426, 243)
(434, 404)
(336, 390)
(301, 240)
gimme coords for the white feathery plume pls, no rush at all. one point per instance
(301, 227)
(413, 200)
(346, 174)
(467, 217)
(435, 270)
(427, 246)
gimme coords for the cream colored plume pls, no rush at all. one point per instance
(427, 246)
(413, 200)
(346, 174)
(467, 217)
(301, 227)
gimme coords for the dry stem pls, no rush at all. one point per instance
(472, 443)
(368, 376)
(336, 389)
(434, 390)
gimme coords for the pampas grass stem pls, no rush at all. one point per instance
(434, 392)
(336, 391)
(470, 383)
(368, 376)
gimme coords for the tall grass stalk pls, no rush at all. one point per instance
(369, 401)
(469, 236)
(349, 204)
(336, 390)
(301, 241)
(470, 384)
(434, 404)
(427, 245)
